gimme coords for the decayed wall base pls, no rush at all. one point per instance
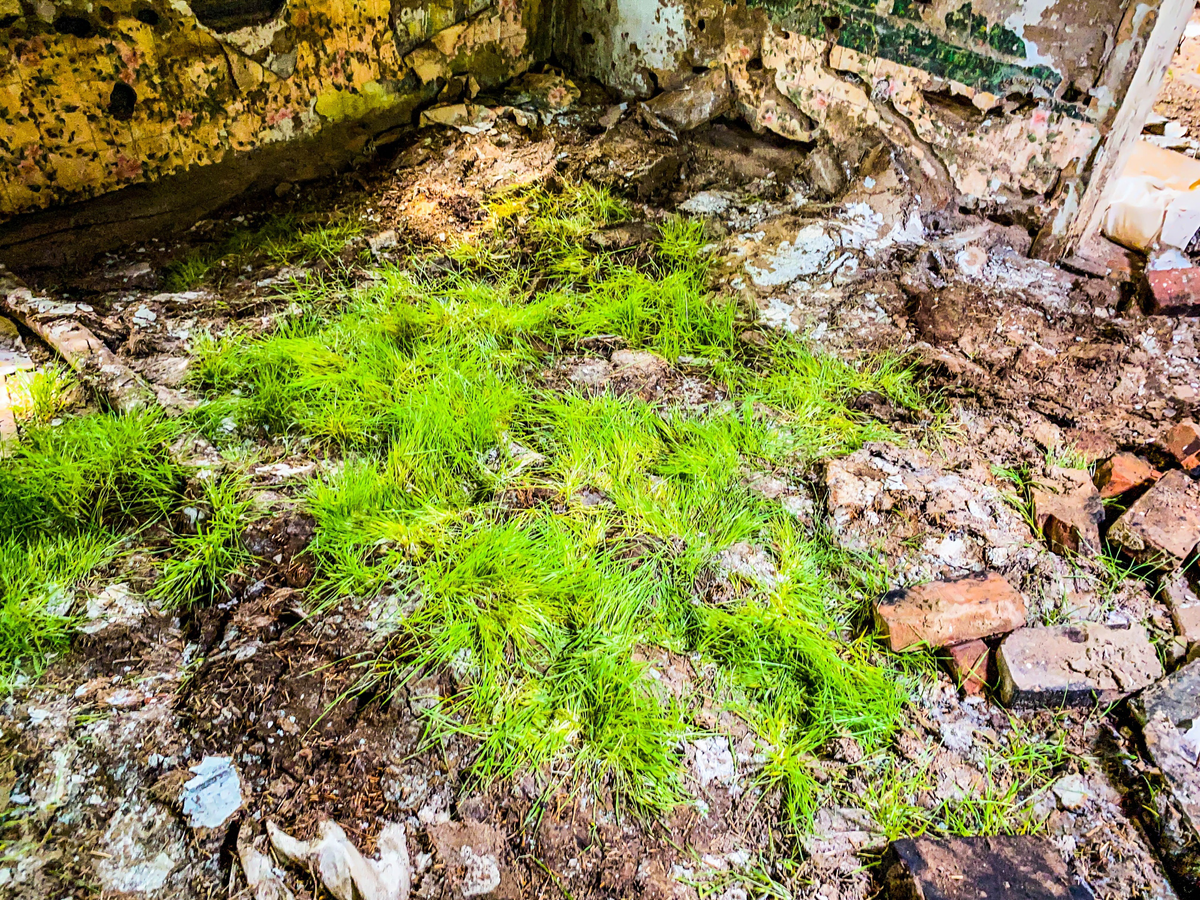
(1003, 106)
(158, 95)
(161, 108)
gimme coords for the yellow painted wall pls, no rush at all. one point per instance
(202, 95)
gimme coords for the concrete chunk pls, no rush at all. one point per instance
(1163, 525)
(975, 868)
(949, 612)
(1072, 665)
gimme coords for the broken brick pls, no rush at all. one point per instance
(1072, 665)
(1123, 473)
(968, 665)
(1173, 292)
(973, 868)
(1068, 511)
(949, 612)
(1163, 525)
(1182, 442)
(1184, 604)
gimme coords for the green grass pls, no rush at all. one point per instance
(201, 563)
(420, 379)
(37, 580)
(66, 491)
(1018, 767)
(419, 384)
(279, 239)
(44, 394)
(95, 471)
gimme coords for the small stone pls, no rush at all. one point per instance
(1163, 525)
(825, 171)
(1070, 665)
(1181, 599)
(700, 100)
(971, 260)
(968, 665)
(385, 240)
(1182, 442)
(1071, 791)
(1123, 473)
(972, 868)
(1068, 511)
(949, 612)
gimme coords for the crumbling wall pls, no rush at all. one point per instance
(1003, 103)
(98, 96)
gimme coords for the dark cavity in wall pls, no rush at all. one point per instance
(76, 26)
(121, 101)
(230, 15)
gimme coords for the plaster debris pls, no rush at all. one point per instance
(806, 255)
(706, 203)
(481, 873)
(343, 870)
(713, 761)
(214, 795)
(115, 606)
(265, 880)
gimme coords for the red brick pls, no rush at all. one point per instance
(968, 665)
(1182, 442)
(1173, 292)
(1068, 511)
(1162, 526)
(949, 612)
(1123, 473)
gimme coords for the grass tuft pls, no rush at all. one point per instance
(37, 582)
(202, 563)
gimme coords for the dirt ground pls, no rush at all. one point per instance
(1028, 361)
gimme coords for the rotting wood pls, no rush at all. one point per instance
(98, 366)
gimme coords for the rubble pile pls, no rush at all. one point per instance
(1038, 532)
